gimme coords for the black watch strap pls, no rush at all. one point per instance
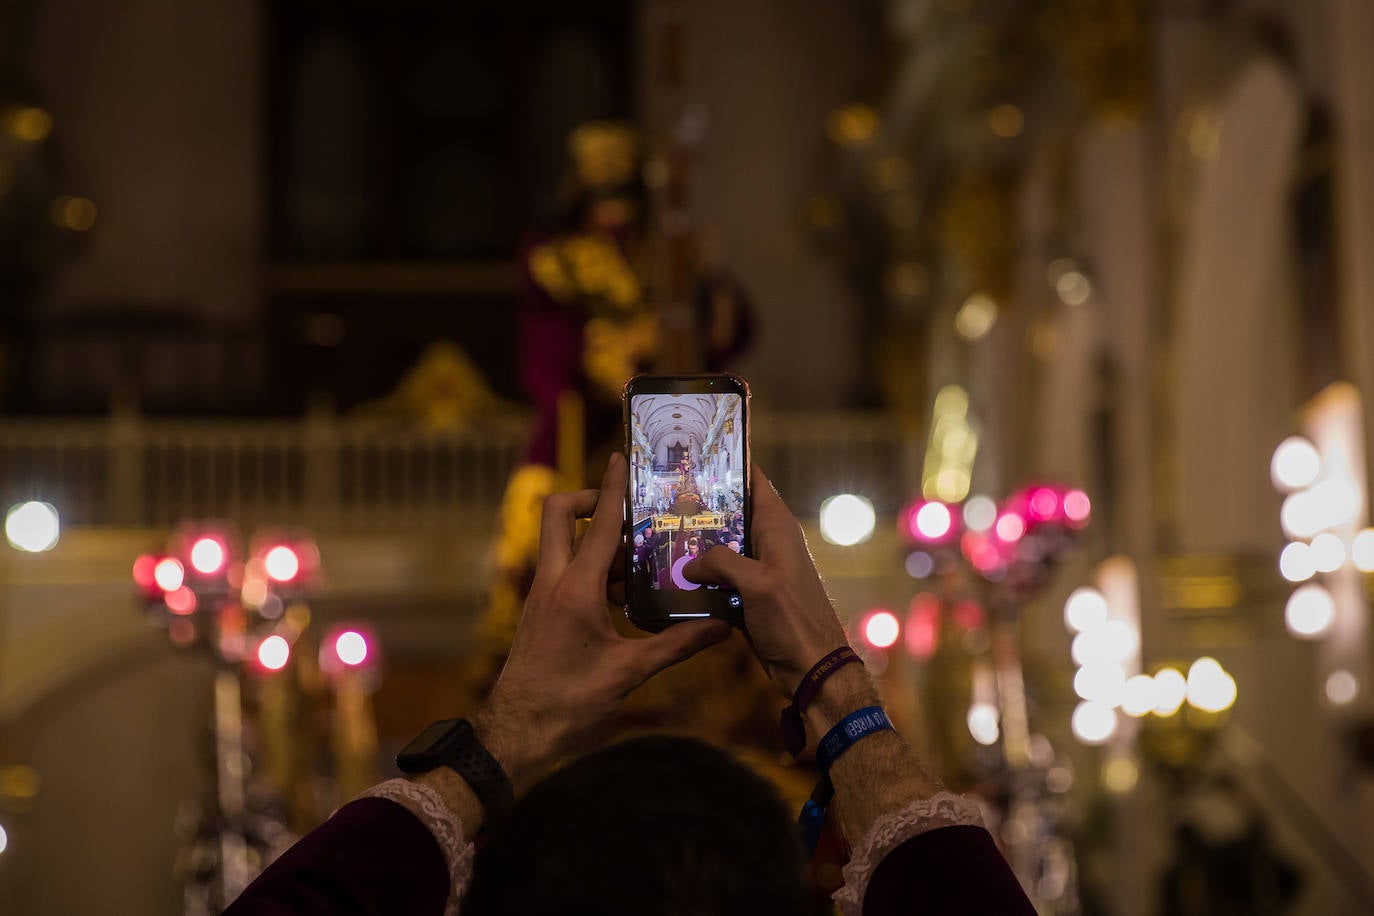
(452, 743)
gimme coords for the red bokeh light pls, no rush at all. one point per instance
(1077, 507)
(1011, 527)
(923, 625)
(181, 601)
(144, 568)
(981, 552)
(968, 615)
(181, 632)
(1043, 504)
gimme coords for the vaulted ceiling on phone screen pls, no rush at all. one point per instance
(667, 419)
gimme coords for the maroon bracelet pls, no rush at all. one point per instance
(793, 729)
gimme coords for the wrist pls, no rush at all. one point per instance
(521, 748)
(846, 690)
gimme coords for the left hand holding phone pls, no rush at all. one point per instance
(569, 669)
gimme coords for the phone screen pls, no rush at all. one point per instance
(688, 453)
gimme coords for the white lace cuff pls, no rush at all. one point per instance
(943, 809)
(425, 803)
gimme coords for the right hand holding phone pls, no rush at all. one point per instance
(787, 613)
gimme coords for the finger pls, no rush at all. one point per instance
(608, 521)
(763, 496)
(557, 528)
(772, 523)
(722, 566)
(675, 644)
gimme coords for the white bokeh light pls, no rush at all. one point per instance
(1093, 723)
(274, 652)
(169, 574)
(881, 629)
(32, 527)
(4, 839)
(1101, 682)
(281, 563)
(847, 519)
(1326, 505)
(1073, 288)
(1210, 688)
(982, 723)
(1296, 464)
(1085, 609)
(980, 513)
(1309, 612)
(1296, 563)
(1138, 696)
(932, 521)
(207, 556)
(1170, 690)
(1328, 552)
(1296, 516)
(1341, 687)
(1362, 550)
(975, 317)
(1109, 641)
(351, 647)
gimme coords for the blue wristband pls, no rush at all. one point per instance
(858, 724)
(854, 727)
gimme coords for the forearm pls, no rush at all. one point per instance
(371, 857)
(879, 774)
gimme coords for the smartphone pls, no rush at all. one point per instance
(687, 441)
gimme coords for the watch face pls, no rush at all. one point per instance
(427, 741)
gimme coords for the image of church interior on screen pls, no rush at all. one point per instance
(687, 478)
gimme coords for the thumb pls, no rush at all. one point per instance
(675, 644)
(722, 566)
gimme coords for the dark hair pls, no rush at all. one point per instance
(656, 825)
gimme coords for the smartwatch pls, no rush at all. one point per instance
(452, 743)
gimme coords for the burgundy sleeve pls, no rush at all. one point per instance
(372, 857)
(951, 870)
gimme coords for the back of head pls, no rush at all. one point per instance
(657, 825)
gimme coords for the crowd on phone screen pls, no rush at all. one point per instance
(656, 552)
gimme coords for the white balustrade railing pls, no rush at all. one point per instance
(344, 475)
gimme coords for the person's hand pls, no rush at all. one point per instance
(569, 669)
(787, 613)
